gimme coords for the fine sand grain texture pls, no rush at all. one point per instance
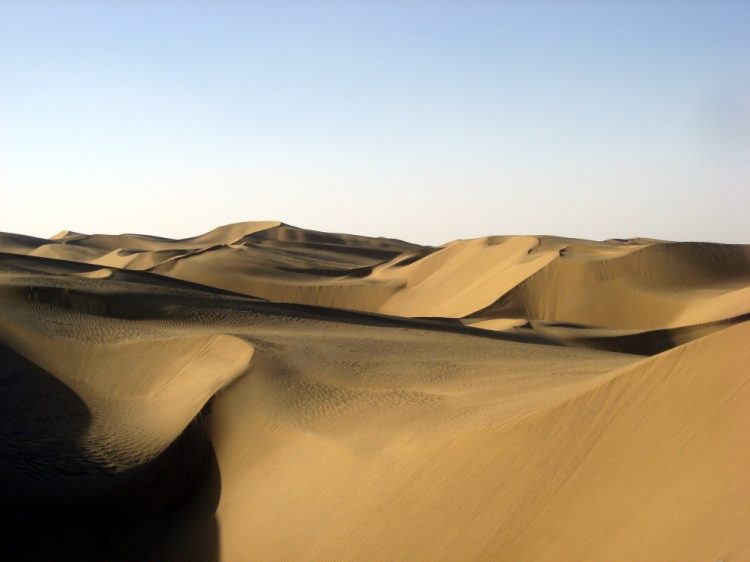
(265, 392)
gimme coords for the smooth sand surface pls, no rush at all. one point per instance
(264, 392)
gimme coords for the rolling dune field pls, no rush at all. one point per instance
(265, 392)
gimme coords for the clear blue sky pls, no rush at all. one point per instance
(427, 121)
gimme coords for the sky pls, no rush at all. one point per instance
(426, 121)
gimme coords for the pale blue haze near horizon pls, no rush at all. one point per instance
(426, 121)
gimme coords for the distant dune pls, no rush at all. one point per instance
(265, 392)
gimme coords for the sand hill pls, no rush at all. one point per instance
(265, 392)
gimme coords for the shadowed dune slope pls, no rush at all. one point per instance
(60, 500)
(99, 440)
(142, 389)
(139, 386)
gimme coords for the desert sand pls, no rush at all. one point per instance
(266, 392)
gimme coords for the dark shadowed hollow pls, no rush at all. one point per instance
(59, 502)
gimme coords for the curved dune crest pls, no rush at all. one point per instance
(464, 276)
(146, 387)
(103, 273)
(659, 285)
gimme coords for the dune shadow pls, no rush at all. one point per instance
(58, 502)
(651, 342)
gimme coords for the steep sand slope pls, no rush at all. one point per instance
(648, 463)
(464, 276)
(659, 285)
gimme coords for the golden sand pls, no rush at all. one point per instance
(264, 392)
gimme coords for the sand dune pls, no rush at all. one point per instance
(647, 463)
(268, 392)
(634, 284)
(660, 285)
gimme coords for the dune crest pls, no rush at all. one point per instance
(134, 384)
(635, 284)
